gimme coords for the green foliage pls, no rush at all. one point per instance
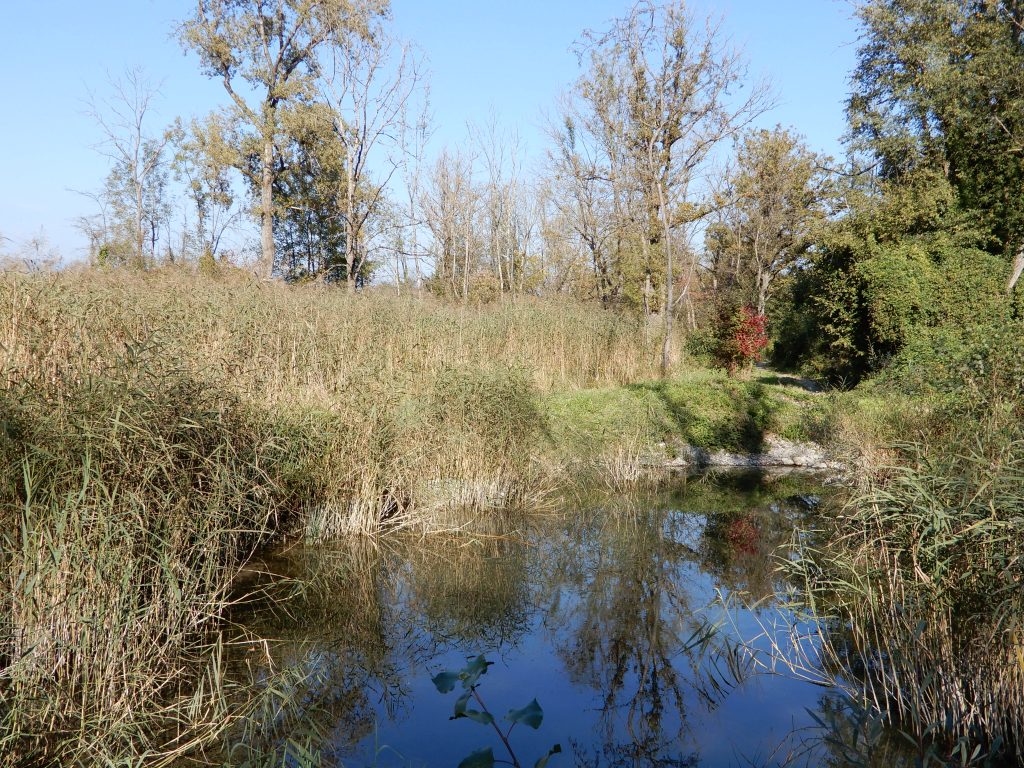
(938, 88)
(469, 677)
(922, 251)
(895, 286)
(782, 196)
(873, 292)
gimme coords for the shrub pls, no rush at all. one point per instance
(743, 336)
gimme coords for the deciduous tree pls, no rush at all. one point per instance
(136, 185)
(661, 92)
(777, 196)
(267, 54)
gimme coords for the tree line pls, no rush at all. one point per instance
(658, 192)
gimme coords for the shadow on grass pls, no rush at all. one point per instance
(735, 417)
(808, 385)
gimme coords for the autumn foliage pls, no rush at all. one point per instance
(742, 338)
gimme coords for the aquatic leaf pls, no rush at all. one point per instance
(485, 718)
(460, 705)
(530, 715)
(472, 671)
(544, 760)
(473, 714)
(445, 681)
(482, 758)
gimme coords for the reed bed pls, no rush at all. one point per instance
(158, 429)
(272, 339)
(916, 595)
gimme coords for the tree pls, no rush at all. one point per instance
(581, 197)
(658, 98)
(939, 89)
(140, 208)
(413, 136)
(274, 48)
(311, 188)
(203, 157)
(779, 194)
(451, 203)
(369, 87)
(508, 221)
(136, 186)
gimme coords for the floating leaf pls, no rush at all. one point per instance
(482, 758)
(460, 705)
(445, 681)
(530, 715)
(472, 671)
(544, 760)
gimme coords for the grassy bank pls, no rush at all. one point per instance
(610, 432)
(916, 583)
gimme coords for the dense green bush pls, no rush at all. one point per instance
(865, 306)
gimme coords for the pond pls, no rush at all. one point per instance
(599, 611)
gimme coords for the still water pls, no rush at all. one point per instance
(596, 611)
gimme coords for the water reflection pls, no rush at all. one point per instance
(598, 612)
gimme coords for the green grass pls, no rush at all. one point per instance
(702, 408)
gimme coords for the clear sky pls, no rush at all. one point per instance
(509, 57)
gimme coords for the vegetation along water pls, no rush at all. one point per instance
(690, 445)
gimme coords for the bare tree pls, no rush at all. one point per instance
(450, 204)
(413, 137)
(582, 195)
(507, 221)
(36, 254)
(136, 182)
(369, 88)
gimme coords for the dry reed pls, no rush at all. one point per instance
(156, 429)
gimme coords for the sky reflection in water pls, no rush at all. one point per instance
(591, 611)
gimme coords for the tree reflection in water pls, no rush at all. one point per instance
(629, 621)
(615, 594)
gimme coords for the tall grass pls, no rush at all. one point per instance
(158, 429)
(272, 339)
(920, 579)
(127, 508)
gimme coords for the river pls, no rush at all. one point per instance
(600, 610)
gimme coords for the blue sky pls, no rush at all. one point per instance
(509, 57)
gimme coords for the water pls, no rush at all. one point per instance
(596, 611)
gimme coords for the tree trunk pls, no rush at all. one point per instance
(1018, 268)
(352, 262)
(140, 236)
(666, 347)
(350, 221)
(465, 274)
(267, 256)
(763, 285)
